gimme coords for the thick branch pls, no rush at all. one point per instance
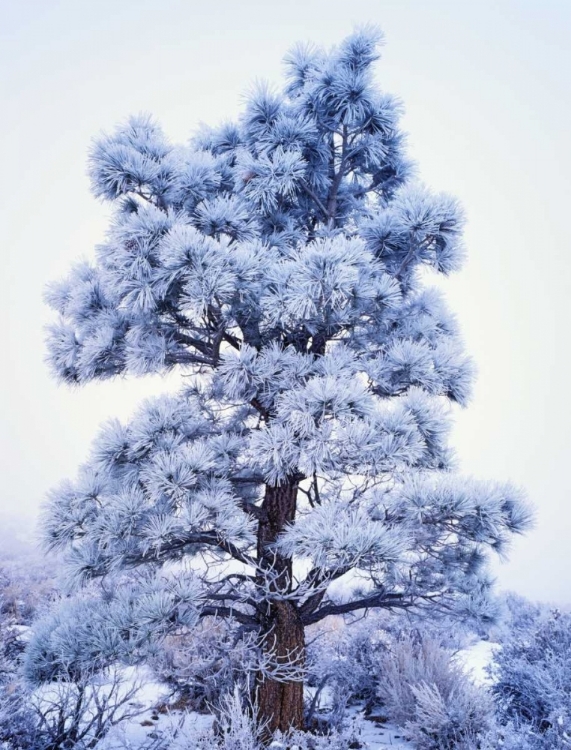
(332, 199)
(376, 601)
(257, 404)
(208, 538)
(202, 346)
(318, 580)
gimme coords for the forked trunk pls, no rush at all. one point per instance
(280, 697)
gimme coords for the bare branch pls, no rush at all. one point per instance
(313, 195)
(229, 612)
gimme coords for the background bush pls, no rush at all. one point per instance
(532, 677)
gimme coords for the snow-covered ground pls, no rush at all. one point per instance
(374, 735)
(136, 732)
(146, 726)
(476, 658)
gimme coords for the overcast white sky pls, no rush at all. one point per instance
(488, 112)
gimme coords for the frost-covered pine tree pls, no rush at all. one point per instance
(303, 470)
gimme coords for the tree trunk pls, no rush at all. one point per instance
(280, 701)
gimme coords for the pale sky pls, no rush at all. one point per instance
(488, 111)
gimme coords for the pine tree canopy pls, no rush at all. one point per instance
(280, 264)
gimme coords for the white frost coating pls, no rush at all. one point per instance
(276, 262)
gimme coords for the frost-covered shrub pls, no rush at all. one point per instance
(80, 705)
(519, 615)
(25, 588)
(521, 737)
(64, 714)
(236, 726)
(17, 728)
(205, 663)
(349, 735)
(511, 737)
(17, 725)
(532, 679)
(458, 717)
(412, 661)
(348, 662)
(11, 646)
(78, 713)
(343, 665)
(235, 729)
(424, 689)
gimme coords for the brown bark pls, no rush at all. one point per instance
(280, 703)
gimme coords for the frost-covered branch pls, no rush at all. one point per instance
(377, 600)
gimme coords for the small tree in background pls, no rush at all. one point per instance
(278, 263)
